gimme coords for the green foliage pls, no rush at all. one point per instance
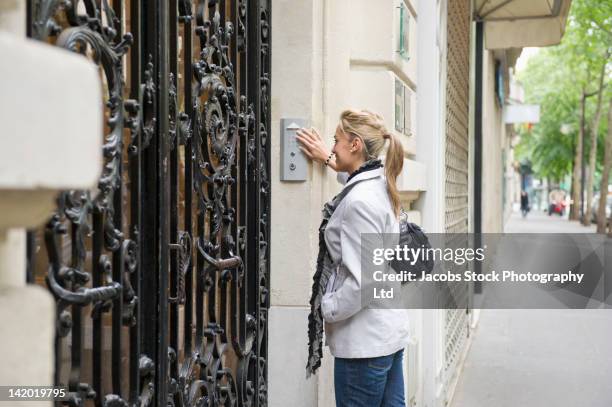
(555, 79)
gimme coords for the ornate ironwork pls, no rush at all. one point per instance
(161, 272)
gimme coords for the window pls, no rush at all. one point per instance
(404, 32)
(399, 106)
(402, 107)
(499, 83)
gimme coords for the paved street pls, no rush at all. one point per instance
(560, 358)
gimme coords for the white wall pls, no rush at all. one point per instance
(431, 108)
(493, 136)
(296, 92)
(317, 74)
(431, 69)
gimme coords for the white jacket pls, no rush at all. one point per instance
(352, 331)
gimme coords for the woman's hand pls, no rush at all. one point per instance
(312, 144)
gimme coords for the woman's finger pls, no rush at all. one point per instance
(302, 135)
(307, 134)
(311, 140)
(315, 133)
(304, 140)
(305, 151)
(305, 146)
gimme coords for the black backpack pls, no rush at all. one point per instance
(412, 236)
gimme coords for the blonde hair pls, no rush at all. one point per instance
(370, 128)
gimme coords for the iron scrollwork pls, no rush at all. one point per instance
(96, 274)
(185, 166)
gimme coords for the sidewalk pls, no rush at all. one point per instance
(560, 358)
(540, 222)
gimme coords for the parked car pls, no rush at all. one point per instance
(595, 207)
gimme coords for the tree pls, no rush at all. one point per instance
(560, 79)
(588, 41)
(593, 148)
(549, 145)
(605, 177)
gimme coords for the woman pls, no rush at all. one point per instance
(367, 343)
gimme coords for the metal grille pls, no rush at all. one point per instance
(456, 157)
(457, 112)
(161, 273)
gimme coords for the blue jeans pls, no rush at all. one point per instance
(370, 382)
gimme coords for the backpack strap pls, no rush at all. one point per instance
(345, 191)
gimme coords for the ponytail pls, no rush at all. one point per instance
(394, 162)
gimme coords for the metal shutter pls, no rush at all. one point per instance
(456, 171)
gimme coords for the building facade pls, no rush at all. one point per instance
(184, 272)
(412, 67)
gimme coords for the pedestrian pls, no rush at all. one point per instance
(367, 344)
(524, 203)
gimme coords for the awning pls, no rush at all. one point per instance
(522, 23)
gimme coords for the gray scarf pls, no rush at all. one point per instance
(322, 275)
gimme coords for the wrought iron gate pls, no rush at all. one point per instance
(161, 273)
